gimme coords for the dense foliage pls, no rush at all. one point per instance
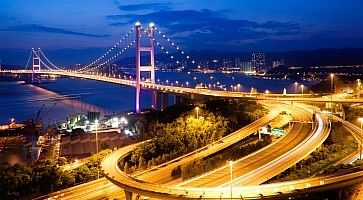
(238, 113)
(187, 133)
(353, 113)
(172, 137)
(24, 181)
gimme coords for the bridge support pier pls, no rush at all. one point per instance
(165, 100)
(155, 98)
(128, 195)
(177, 99)
(158, 105)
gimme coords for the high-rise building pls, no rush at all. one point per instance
(278, 63)
(258, 62)
(246, 67)
(227, 63)
(237, 63)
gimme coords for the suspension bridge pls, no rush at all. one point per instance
(144, 41)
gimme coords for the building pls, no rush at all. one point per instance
(93, 116)
(227, 63)
(278, 63)
(237, 63)
(258, 62)
(246, 67)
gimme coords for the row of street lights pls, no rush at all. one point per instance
(302, 88)
(361, 137)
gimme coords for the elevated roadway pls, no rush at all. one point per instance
(161, 173)
(272, 191)
(131, 184)
(251, 166)
(191, 92)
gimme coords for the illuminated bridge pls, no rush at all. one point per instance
(40, 64)
(144, 40)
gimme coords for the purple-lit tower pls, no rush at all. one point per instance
(36, 62)
(150, 68)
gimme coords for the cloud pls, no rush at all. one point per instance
(206, 27)
(146, 6)
(40, 28)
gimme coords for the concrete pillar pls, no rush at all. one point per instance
(128, 195)
(158, 101)
(154, 99)
(177, 99)
(165, 100)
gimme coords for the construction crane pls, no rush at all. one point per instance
(40, 110)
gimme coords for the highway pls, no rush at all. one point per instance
(356, 132)
(260, 159)
(273, 191)
(191, 91)
(154, 174)
(116, 176)
(242, 177)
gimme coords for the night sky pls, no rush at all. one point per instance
(69, 27)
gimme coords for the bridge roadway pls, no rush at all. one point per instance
(249, 167)
(115, 175)
(166, 168)
(101, 187)
(190, 91)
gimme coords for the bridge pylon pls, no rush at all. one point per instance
(36, 66)
(141, 68)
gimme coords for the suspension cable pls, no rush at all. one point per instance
(113, 57)
(30, 55)
(108, 51)
(49, 60)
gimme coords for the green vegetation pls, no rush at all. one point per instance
(171, 140)
(172, 137)
(24, 181)
(353, 113)
(238, 113)
(240, 149)
(338, 145)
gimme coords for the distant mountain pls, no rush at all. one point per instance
(345, 56)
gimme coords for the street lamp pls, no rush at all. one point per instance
(302, 90)
(98, 172)
(296, 87)
(331, 91)
(359, 83)
(361, 128)
(231, 173)
(197, 108)
(267, 93)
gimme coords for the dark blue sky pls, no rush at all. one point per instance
(88, 27)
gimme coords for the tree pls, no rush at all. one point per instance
(83, 174)
(126, 167)
(142, 163)
(67, 179)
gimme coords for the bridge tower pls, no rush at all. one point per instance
(139, 68)
(36, 62)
